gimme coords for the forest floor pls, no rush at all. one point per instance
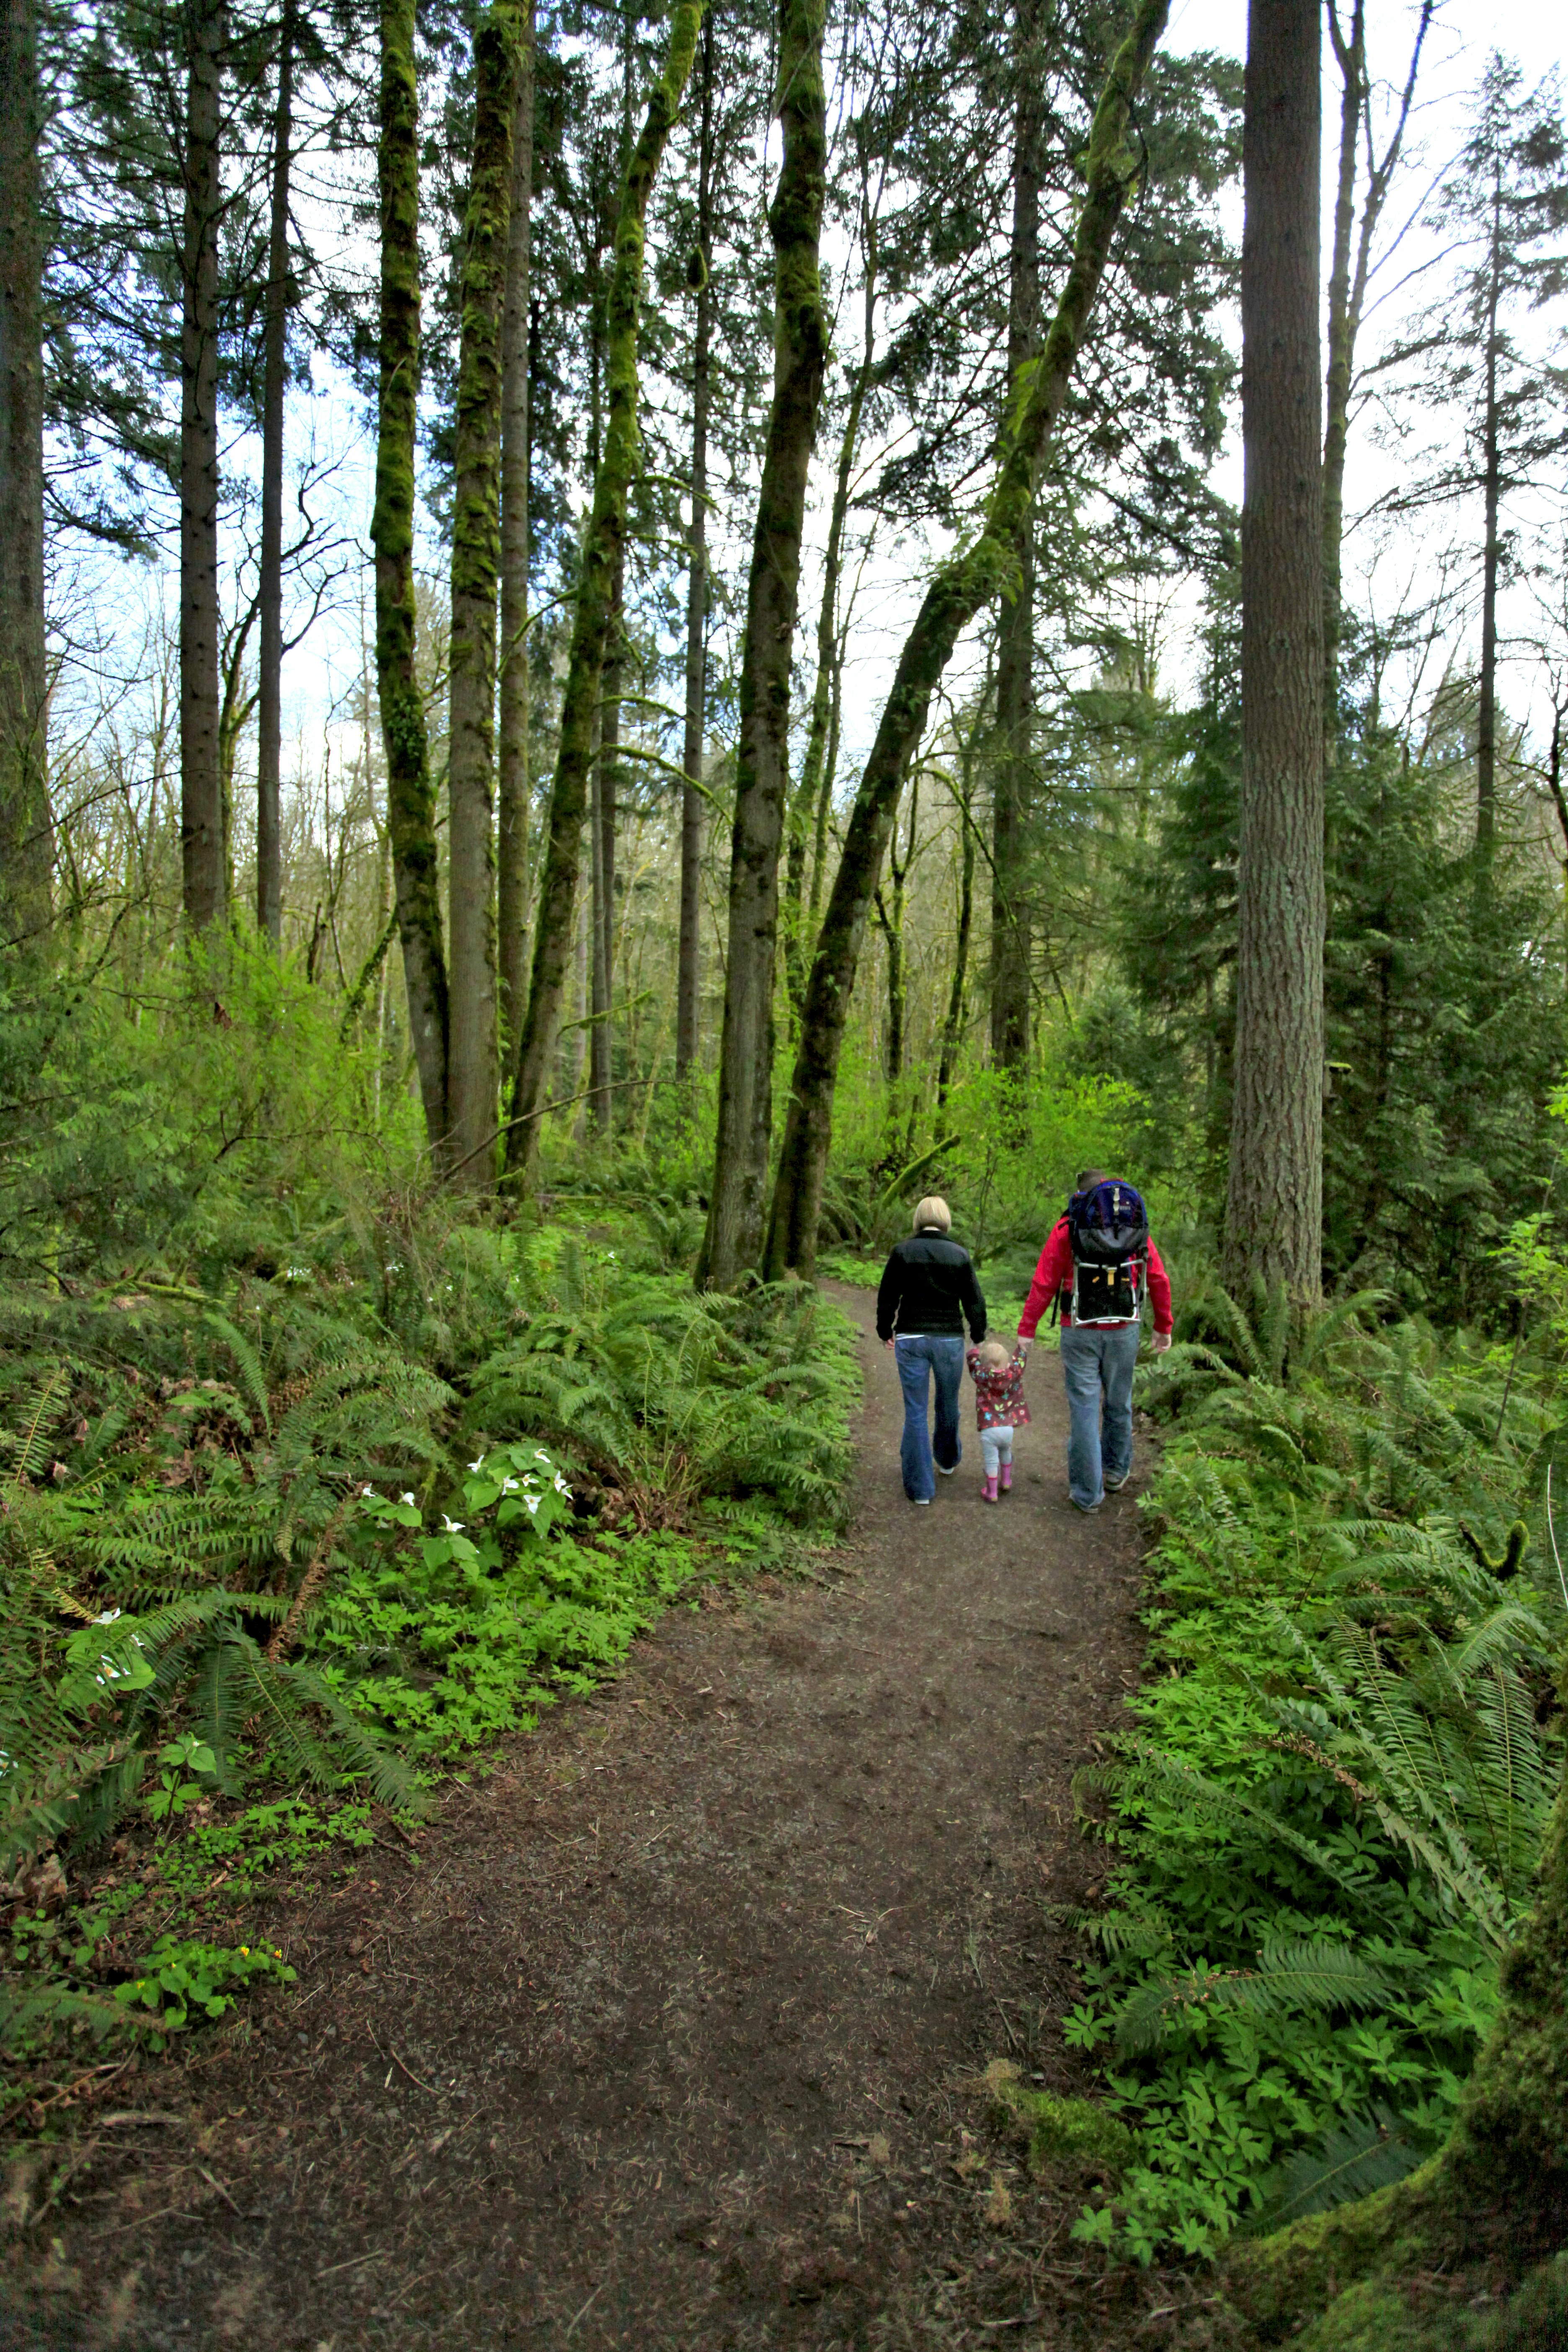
(671, 2032)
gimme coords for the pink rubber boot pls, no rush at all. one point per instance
(988, 1490)
(1007, 1477)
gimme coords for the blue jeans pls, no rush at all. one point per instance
(916, 1359)
(1097, 1365)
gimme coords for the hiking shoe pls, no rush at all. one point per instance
(1088, 1509)
(1114, 1486)
(920, 1502)
(947, 1474)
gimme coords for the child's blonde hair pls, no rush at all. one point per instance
(993, 1355)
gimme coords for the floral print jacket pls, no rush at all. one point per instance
(998, 1395)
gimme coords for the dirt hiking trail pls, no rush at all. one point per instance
(672, 2039)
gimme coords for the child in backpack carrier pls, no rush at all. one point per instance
(999, 1408)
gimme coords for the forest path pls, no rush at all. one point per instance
(672, 2039)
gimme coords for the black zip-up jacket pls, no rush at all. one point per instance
(928, 1285)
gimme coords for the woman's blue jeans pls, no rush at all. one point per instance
(1097, 1365)
(920, 1360)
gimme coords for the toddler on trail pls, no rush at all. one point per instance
(999, 1410)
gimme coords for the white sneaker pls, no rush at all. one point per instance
(1114, 1486)
(947, 1474)
(920, 1502)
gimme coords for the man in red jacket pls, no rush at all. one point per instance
(1097, 1359)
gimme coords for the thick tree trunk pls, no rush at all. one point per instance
(1012, 789)
(1274, 1206)
(203, 863)
(515, 469)
(602, 551)
(602, 1042)
(473, 1065)
(25, 833)
(410, 796)
(962, 588)
(738, 1193)
(688, 964)
(1486, 716)
(270, 689)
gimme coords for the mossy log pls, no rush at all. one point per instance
(962, 587)
(601, 547)
(410, 794)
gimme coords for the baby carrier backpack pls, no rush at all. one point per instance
(1108, 1226)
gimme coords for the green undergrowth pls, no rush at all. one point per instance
(1327, 1820)
(286, 1538)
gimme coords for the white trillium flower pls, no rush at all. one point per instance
(533, 1501)
(478, 1464)
(405, 1498)
(541, 1457)
(509, 1485)
(561, 1485)
(108, 1617)
(453, 1527)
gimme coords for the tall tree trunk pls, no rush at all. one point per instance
(602, 1042)
(201, 782)
(473, 1066)
(269, 689)
(602, 550)
(1012, 789)
(1347, 297)
(1274, 1205)
(24, 845)
(962, 586)
(814, 800)
(410, 795)
(688, 964)
(953, 1027)
(1486, 716)
(738, 1196)
(515, 469)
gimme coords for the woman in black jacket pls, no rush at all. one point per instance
(927, 1290)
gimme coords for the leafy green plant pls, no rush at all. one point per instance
(181, 1975)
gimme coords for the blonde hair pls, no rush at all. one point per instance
(993, 1355)
(932, 1211)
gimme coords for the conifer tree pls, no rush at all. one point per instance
(24, 859)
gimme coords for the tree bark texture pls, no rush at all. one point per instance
(1013, 775)
(689, 953)
(516, 466)
(602, 549)
(1486, 714)
(203, 866)
(962, 586)
(605, 769)
(473, 1065)
(738, 1196)
(814, 799)
(1274, 1206)
(25, 833)
(953, 1027)
(410, 795)
(269, 684)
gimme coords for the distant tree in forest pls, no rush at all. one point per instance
(25, 853)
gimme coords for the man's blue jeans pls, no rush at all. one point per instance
(1097, 1365)
(919, 1360)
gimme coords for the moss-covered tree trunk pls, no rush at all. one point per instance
(601, 547)
(269, 585)
(738, 1196)
(962, 588)
(813, 798)
(204, 867)
(410, 798)
(1013, 783)
(511, 843)
(689, 953)
(607, 770)
(24, 860)
(473, 1068)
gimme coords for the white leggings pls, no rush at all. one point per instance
(995, 1447)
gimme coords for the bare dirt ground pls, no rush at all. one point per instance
(670, 2034)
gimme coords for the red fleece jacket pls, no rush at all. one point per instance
(1055, 1271)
